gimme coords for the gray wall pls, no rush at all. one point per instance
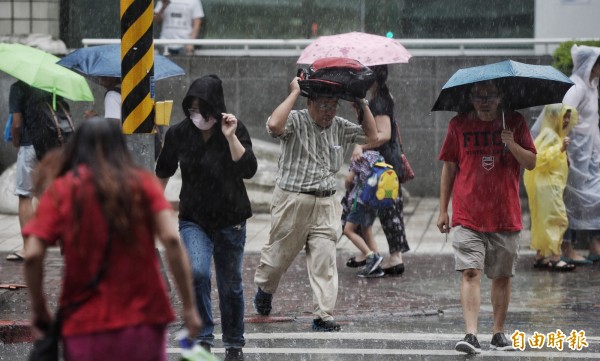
(255, 86)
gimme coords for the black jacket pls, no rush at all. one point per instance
(213, 194)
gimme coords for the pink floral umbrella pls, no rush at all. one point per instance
(367, 48)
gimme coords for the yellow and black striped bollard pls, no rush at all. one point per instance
(137, 87)
(137, 66)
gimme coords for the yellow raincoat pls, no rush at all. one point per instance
(546, 183)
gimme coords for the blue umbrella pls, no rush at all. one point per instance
(521, 85)
(105, 60)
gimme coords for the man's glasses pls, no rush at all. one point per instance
(481, 99)
(327, 106)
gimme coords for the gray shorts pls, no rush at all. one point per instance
(26, 162)
(494, 253)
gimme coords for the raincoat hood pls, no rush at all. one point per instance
(209, 89)
(553, 115)
(584, 58)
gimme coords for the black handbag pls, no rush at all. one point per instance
(47, 348)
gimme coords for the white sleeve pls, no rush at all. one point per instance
(112, 105)
(573, 96)
(197, 10)
(158, 6)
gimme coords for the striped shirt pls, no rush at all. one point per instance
(311, 155)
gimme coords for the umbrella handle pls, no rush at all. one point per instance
(54, 98)
(504, 127)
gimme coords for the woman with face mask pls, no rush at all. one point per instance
(214, 151)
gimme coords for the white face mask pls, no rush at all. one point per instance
(202, 123)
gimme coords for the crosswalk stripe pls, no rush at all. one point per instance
(369, 336)
(373, 336)
(361, 351)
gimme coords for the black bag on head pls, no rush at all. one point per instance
(342, 78)
(51, 128)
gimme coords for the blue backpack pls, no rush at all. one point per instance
(382, 188)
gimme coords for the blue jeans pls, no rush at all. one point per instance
(226, 245)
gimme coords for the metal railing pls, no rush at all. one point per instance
(417, 47)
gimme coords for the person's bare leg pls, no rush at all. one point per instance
(25, 214)
(501, 288)
(370, 240)
(356, 239)
(360, 256)
(470, 298)
(393, 260)
(555, 258)
(538, 255)
(595, 245)
(569, 252)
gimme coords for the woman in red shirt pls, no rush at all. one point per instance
(94, 176)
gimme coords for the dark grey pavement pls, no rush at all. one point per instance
(415, 316)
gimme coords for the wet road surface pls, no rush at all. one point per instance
(415, 316)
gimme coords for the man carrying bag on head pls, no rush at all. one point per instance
(305, 214)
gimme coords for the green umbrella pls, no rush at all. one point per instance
(39, 69)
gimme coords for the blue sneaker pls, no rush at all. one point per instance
(373, 262)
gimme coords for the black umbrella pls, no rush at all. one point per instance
(521, 85)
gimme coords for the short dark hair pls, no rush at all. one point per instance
(484, 83)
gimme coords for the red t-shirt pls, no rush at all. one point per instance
(486, 187)
(132, 291)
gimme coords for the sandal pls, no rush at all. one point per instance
(541, 263)
(15, 257)
(11, 286)
(560, 266)
(353, 263)
(593, 257)
(582, 262)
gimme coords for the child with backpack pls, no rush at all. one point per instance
(371, 186)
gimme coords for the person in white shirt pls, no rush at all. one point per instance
(112, 98)
(180, 19)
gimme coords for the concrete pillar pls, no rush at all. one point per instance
(141, 146)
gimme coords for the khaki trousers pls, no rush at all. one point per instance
(303, 221)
